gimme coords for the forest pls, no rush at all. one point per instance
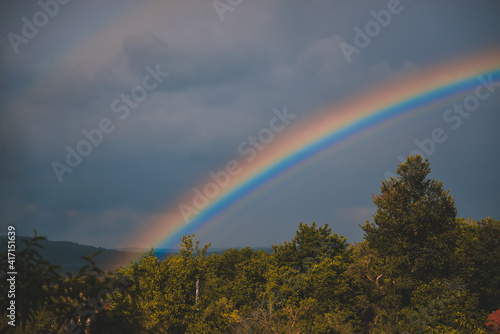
(418, 269)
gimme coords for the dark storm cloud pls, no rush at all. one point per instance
(224, 79)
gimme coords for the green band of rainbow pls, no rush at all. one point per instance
(364, 112)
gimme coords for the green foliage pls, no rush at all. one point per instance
(239, 275)
(47, 301)
(413, 228)
(478, 255)
(442, 306)
(415, 244)
(35, 281)
(419, 270)
(162, 293)
(309, 247)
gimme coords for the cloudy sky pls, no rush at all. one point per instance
(175, 86)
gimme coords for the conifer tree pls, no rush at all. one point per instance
(412, 230)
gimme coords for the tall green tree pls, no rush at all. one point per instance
(413, 228)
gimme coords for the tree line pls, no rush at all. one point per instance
(419, 269)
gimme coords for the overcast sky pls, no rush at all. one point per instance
(68, 67)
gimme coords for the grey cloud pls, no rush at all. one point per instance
(225, 78)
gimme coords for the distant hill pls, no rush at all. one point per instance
(67, 254)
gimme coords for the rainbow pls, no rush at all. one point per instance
(305, 142)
